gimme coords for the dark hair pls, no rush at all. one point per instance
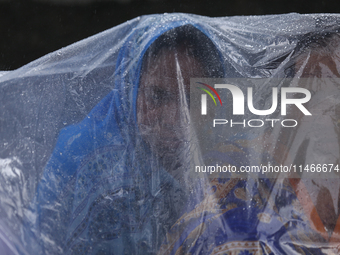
(197, 43)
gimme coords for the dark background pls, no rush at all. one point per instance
(30, 28)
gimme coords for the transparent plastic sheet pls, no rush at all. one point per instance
(98, 154)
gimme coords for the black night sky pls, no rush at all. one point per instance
(30, 29)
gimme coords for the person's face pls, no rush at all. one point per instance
(162, 102)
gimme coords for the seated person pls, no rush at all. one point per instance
(115, 182)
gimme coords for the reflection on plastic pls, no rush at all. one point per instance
(102, 153)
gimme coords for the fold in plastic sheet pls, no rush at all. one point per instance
(105, 150)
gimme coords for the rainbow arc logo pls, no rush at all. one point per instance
(204, 97)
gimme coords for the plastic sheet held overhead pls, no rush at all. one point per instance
(176, 134)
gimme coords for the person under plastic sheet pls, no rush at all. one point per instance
(114, 183)
(117, 182)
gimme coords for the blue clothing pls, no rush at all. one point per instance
(238, 216)
(104, 191)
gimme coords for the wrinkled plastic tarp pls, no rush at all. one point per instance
(94, 143)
